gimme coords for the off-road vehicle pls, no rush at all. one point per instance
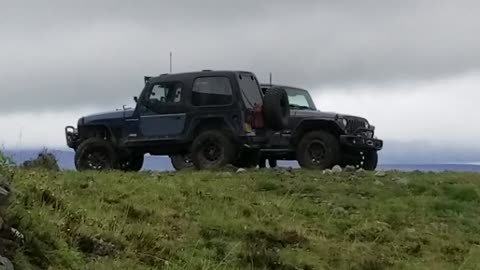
(319, 139)
(218, 117)
(314, 138)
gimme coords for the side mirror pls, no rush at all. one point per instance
(135, 98)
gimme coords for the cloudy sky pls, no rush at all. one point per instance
(411, 67)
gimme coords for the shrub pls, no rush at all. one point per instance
(44, 160)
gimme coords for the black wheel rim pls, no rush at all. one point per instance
(97, 159)
(317, 152)
(187, 159)
(212, 151)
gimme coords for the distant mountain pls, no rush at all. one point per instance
(395, 155)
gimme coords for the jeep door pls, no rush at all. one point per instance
(162, 111)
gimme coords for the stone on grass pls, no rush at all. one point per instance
(361, 170)
(350, 168)
(337, 169)
(241, 170)
(327, 172)
(380, 174)
(5, 264)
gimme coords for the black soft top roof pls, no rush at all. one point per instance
(190, 75)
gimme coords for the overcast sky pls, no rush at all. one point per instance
(412, 67)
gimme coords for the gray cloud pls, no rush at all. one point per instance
(68, 54)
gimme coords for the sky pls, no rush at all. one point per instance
(411, 67)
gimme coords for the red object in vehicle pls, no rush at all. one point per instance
(255, 117)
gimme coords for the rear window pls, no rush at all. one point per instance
(250, 90)
(211, 91)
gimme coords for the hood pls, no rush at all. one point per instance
(321, 114)
(107, 116)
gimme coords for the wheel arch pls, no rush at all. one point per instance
(100, 131)
(204, 124)
(311, 125)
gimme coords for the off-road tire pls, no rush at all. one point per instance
(370, 160)
(276, 108)
(99, 147)
(318, 150)
(131, 163)
(181, 161)
(213, 149)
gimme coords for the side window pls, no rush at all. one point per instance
(211, 91)
(166, 92)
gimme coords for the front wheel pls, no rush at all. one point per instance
(181, 161)
(213, 149)
(370, 160)
(318, 150)
(95, 154)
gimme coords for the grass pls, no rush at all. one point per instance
(259, 219)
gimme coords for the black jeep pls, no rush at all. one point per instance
(217, 117)
(320, 139)
(314, 138)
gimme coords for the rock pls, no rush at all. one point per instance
(378, 183)
(4, 192)
(350, 168)
(380, 174)
(361, 170)
(5, 264)
(18, 235)
(241, 170)
(327, 172)
(337, 169)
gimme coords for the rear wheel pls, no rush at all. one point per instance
(318, 150)
(213, 149)
(181, 161)
(131, 163)
(95, 154)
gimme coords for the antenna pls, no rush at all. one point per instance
(270, 79)
(170, 62)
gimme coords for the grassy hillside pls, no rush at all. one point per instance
(252, 220)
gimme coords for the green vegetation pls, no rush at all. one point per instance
(254, 220)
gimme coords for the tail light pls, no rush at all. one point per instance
(254, 119)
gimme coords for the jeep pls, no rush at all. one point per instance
(217, 117)
(316, 139)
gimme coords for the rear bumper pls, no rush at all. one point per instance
(361, 143)
(73, 139)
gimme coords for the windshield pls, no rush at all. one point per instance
(300, 99)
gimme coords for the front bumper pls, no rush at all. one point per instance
(72, 137)
(362, 143)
